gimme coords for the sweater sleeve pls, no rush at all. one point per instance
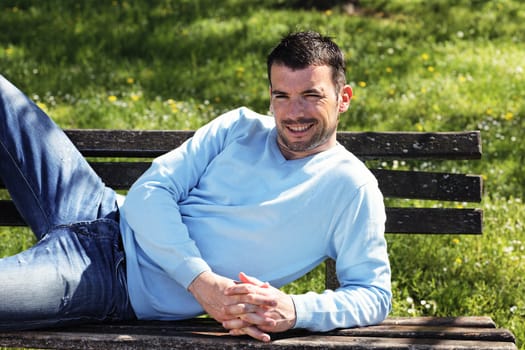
(362, 268)
(151, 207)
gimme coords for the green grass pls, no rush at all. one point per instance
(414, 65)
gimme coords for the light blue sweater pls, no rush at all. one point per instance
(228, 201)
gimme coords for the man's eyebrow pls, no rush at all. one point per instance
(314, 91)
(278, 92)
(307, 91)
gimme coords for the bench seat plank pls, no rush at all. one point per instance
(204, 333)
(459, 321)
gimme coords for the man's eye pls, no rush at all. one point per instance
(313, 96)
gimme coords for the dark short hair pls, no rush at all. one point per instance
(302, 49)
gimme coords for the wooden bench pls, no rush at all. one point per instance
(130, 153)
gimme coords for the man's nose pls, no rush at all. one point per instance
(296, 108)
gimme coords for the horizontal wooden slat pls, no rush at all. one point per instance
(431, 321)
(126, 143)
(399, 220)
(399, 184)
(434, 220)
(122, 175)
(430, 185)
(368, 145)
(103, 341)
(206, 333)
(418, 145)
(425, 332)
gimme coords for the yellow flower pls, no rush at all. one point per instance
(455, 241)
(425, 57)
(431, 69)
(362, 84)
(388, 69)
(135, 97)
(173, 105)
(9, 51)
(423, 90)
(112, 98)
(239, 72)
(458, 261)
(489, 111)
(419, 127)
(462, 79)
(508, 116)
(130, 80)
(328, 12)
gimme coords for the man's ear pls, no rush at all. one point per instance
(346, 96)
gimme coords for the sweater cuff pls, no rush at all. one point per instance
(188, 270)
(303, 314)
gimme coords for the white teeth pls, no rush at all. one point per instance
(299, 128)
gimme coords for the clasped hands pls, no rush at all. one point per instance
(248, 307)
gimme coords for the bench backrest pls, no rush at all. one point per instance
(130, 154)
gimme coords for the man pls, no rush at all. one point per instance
(250, 203)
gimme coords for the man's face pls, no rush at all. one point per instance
(306, 107)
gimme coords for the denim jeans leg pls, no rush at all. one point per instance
(49, 180)
(68, 277)
(74, 273)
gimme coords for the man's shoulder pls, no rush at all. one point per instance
(245, 114)
(348, 168)
(243, 120)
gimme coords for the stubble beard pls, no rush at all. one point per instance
(320, 137)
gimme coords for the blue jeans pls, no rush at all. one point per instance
(76, 271)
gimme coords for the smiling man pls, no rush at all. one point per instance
(272, 197)
(248, 204)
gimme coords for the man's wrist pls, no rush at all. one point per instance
(202, 280)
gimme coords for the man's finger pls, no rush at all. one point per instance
(235, 323)
(244, 278)
(241, 308)
(253, 332)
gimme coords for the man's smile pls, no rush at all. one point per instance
(299, 128)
